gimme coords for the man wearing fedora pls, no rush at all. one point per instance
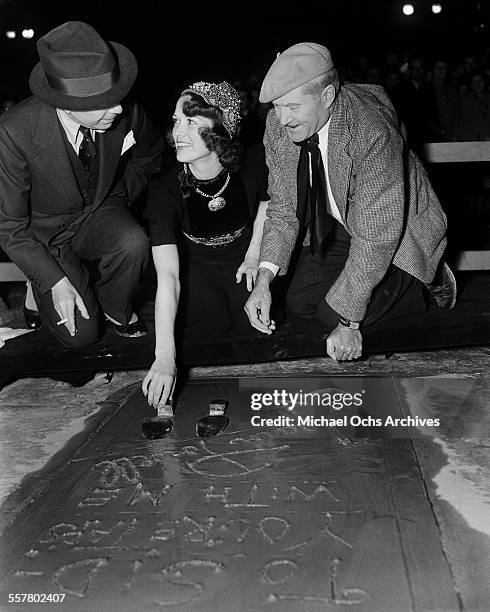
(72, 157)
(372, 230)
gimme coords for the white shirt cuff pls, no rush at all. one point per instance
(270, 266)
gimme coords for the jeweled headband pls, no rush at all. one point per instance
(222, 95)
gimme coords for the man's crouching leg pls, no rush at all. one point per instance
(120, 271)
(113, 240)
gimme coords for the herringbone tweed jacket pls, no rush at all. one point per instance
(381, 189)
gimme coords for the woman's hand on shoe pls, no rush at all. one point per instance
(159, 382)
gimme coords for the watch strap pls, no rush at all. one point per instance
(349, 324)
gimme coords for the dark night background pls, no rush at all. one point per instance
(177, 43)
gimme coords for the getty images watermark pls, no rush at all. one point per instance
(301, 402)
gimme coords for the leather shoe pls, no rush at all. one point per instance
(443, 287)
(131, 330)
(31, 317)
(157, 427)
(215, 422)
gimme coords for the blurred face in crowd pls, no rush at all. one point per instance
(374, 75)
(363, 63)
(392, 80)
(417, 70)
(391, 59)
(100, 120)
(188, 141)
(244, 102)
(439, 71)
(303, 113)
(478, 83)
(469, 63)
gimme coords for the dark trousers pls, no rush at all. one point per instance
(212, 302)
(112, 244)
(398, 294)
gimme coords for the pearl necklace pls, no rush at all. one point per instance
(216, 202)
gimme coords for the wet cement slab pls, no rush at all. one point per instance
(38, 416)
(455, 464)
(294, 515)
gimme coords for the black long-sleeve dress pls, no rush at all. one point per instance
(212, 243)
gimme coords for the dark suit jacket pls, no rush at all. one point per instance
(381, 189)
(39, 195)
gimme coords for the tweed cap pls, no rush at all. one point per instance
(294, 67)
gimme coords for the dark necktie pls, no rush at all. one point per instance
(87, 151)
(313, 198)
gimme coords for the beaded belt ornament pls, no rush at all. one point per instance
(216, 241)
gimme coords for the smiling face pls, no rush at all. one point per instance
(189, 145)
(100, 120)
(303, 113)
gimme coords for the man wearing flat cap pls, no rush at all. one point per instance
(373, 233)
(73, 156)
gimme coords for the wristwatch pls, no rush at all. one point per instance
(349, 324)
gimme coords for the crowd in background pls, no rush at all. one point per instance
(436, 99)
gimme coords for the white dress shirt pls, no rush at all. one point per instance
(72, 129)
(332, 207)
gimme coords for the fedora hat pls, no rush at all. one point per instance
(79, 71)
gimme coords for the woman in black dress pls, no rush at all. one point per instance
(206, 216)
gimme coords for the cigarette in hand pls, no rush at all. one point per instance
(62, 322)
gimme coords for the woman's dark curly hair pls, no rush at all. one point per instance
(216, 138)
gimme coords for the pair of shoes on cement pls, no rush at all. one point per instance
(31, 317)
(209, 425)
(137, 329)
(443, 287)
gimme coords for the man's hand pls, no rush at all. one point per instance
(344, 344)
(249, 267)
(159, 383)
(65, 298)
(259, 303)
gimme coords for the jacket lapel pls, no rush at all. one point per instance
(290, 158)
(285, 160)
(52, 157)
(339, 160)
